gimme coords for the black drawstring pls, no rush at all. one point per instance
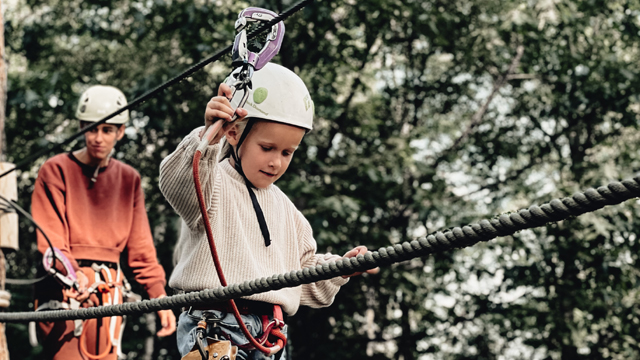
(256, 205)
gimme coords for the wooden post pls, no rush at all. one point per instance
(4, 349)
(8, 221)
(3, 86)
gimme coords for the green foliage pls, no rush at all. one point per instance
(394, 155)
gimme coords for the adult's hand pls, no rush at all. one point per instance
(81, 294)
(167, 320)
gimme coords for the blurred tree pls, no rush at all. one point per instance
(421, 145)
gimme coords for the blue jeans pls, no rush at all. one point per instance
(188, 322)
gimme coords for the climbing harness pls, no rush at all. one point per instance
(247, 62)
(108, 287)
(210, 348)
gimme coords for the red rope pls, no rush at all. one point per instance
(214, 253)
(104, 289)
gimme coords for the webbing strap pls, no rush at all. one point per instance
(254, 200)
(258, 210)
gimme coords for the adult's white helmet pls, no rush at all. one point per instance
(99, 101)
(277, 94)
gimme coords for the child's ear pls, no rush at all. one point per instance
(233, 135)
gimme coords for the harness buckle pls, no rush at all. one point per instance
(201, 335)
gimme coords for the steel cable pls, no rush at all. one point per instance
(284, 15)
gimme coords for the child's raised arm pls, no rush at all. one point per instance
(176, 176)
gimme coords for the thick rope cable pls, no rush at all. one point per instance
(148, 95)
(458, 237)
(16, 208)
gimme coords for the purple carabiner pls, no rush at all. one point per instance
(69, 279)
(241, 54)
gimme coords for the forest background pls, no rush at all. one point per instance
(429, 114)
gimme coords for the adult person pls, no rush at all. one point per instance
(91, 206)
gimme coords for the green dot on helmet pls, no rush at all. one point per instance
(259, 95)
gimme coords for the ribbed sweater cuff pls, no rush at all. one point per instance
(339, 281)
(156, 289)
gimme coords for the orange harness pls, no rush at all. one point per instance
(106, 297)
(109, 292)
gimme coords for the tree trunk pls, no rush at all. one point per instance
(3, 87)
(4, 350)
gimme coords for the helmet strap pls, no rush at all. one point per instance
(235, 153)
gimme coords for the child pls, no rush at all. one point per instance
(255, 237)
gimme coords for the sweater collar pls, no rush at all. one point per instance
(89, 169)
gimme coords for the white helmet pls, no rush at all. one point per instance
(277, 94)
(99, 101)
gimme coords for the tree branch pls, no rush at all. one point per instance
(372, 49)
(477, 117)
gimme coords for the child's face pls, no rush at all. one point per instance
(267, 151)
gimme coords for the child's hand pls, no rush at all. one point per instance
(219, 107)
(359, 250)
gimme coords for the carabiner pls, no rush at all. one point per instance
(67, 278)
(241, 54)
(201, 339)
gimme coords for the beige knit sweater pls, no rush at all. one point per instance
(237, 235)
